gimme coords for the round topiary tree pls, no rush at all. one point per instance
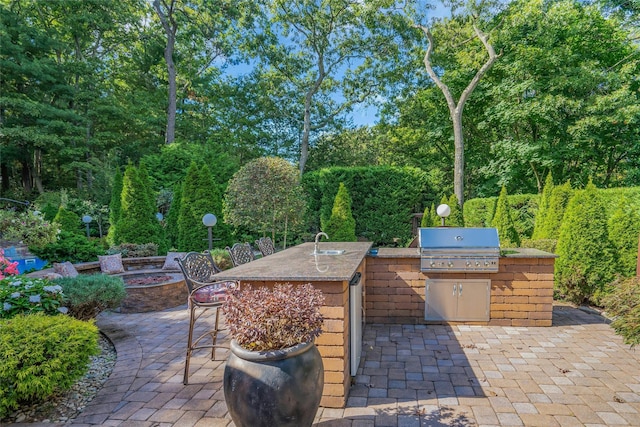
(586, 260)
(624, 228)
(543, 209)
(503, 221)
(341, 226)
(265, 196)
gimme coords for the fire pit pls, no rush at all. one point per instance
(153, 291)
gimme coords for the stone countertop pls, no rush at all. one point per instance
(506, 252)
(299, 264)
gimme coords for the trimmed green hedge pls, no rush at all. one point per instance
(384, 199)
(480, 212)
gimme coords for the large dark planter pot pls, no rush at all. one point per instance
(276, 388)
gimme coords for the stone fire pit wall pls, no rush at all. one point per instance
(521, 291)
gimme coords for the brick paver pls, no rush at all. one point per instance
(574, 373)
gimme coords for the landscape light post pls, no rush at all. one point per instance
(87, 220)
(209, 220)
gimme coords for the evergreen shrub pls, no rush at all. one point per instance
(341, 226)
(479, 212)
(586, 260)
(623, 303)
(547, 245)
(553, 219)
(87, 295)
(504, 223)
(133, 250)
(384, 199)
(69, 221)
(72, 247)
(543, 208)
(221, 258)
(41, 355)
(115, 208)
(455, 217)
(624, 229)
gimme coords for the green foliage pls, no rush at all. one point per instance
(27, 227)
(543, 209)
(115, 207)
(624, 232)
(69, 221)
(560, 196)
(547, 245)
(479, 212)
(71, 247)
(87, 295)
(41, 355)
(221, 258)
(341, 226)
(504, 222)
(623, 303)
(383, 199)
(428, 216)
(199, 197)
(24, 295)
(132, 250)
(171, 219)
(586, 259)
(455, 217)
(265, 196)
(138, 223)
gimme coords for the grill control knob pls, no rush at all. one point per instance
(432, 264)
(486, 263)
(468, 263)
(477, 263)
(450, 264)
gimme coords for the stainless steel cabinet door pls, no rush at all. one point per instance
(458, 300)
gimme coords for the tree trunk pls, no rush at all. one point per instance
(456, 108)
(170, 29)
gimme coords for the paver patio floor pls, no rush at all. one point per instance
(575, 373)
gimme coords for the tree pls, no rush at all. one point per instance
(503, 221)
(69, 221)
(586, 259)
(456, 107)
(305, 45)
(138, 223)
(115, 207)
(265, 195)
(341, 226)
(560, 196)
(543, 209)
(624, 228)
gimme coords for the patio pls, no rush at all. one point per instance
(577, 372)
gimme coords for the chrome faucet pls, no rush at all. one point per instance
(320, 234)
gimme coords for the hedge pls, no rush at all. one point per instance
(384, 199)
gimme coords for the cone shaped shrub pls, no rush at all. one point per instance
(543, 209)
(341, 226)
(624, 228)
(550, 228)
(586, 260)
(115, 208)
(503, 221)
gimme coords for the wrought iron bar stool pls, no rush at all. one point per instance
(241, 253)
(205, 293)
(265, 245)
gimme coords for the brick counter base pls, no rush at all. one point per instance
(521, 291)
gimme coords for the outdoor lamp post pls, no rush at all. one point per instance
(209, 220)
(87, 220)
(443, 212)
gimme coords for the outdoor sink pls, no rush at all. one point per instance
(329, 252)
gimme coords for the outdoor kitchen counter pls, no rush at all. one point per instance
(340, 278)
(299, 264)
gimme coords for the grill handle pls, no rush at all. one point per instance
(454, 289)
(459, 289)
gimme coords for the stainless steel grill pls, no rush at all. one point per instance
(453, 249)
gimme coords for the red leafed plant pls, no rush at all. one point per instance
(263, 319)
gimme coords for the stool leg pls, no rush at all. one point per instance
(192, 309)
(214, 335)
